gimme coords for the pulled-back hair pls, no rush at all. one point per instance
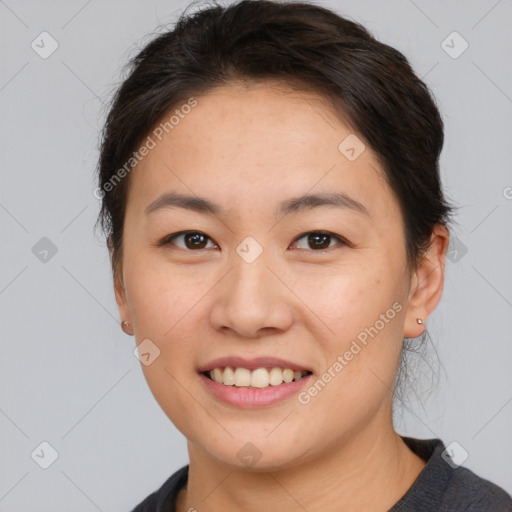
(308, 47)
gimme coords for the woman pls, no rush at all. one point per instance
(276, 225)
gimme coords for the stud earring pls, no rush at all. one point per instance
(124, 327)
(419, 320)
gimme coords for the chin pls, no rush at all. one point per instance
(255, 454)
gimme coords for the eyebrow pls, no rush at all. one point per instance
(293, 205)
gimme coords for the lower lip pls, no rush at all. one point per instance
(249, 398)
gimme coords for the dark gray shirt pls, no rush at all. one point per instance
(438, 488)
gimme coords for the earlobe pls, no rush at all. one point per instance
(427, 283)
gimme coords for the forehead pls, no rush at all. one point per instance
(248, 144)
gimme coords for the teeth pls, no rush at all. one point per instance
(276, 376)
(228, 377)
(287, 375)
(258, 378)
(217, 375)
(242, 377)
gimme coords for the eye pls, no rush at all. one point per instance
(195, 240)
(191, 239)
(318, 240)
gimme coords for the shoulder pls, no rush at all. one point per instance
(445, 486)
(476, 492)
(162, 500)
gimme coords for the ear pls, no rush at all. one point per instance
(427, 283)
(121, 300)
(119, 290)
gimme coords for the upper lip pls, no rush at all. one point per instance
(252, 364)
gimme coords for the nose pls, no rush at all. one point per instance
(251, 300)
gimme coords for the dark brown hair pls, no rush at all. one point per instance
(308, 47)
(370, 85)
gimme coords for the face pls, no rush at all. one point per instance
(261, 274)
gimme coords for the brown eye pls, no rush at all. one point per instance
(318, 240)
(191, 240)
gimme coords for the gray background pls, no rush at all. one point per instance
(67, 372)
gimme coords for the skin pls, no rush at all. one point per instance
(247, 147)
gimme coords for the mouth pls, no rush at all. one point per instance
(253, 383)
(259, 378)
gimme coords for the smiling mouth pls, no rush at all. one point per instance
(258, 378)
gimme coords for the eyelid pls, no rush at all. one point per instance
(341, 241)
(167, 240)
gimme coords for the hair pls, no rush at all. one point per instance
(370, 85)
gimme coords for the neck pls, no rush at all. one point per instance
(371, 472)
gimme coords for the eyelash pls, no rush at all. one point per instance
(168, 239)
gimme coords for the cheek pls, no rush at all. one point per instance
(347, 300)
(364, 313)
(163, 305)
(162, 298)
